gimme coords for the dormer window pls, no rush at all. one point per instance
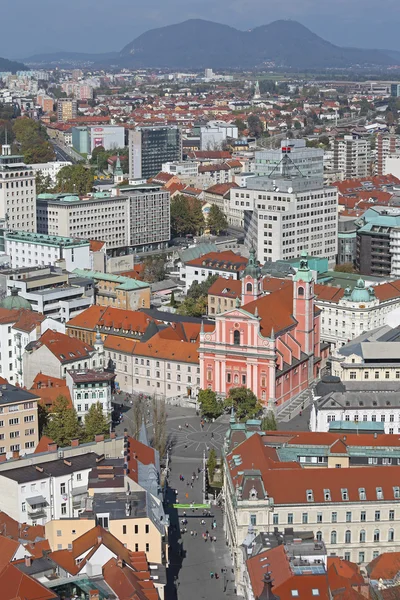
(327, 495)
(310, 496)
(396, 492)
(379, 493)
(345, 494)
(253, 494)
(362, 494)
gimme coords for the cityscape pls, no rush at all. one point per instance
(200, 313)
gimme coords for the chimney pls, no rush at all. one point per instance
(94, 595)
(112, 435)
(99, 539)
(120, 564)
(67, 462)
(15, 454)
(75, 442)
(28, 561)
(3, 457)
(99, 437)
(40, 469)
(52, 447)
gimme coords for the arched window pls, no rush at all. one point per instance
(236, 337)
(333, 537)
(249, 287)
(362, 535)
(391, 535)
(301, 291)
(319, 536)
(347, 537)
(377, 535)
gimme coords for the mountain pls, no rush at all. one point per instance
(68, 59)
(197, 44)
(11, 65)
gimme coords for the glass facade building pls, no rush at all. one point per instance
(150, 147)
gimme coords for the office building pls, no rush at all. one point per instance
(351, 156)
(283, 217)
(17, 192)
(378, 242)
(150, 147)
(81, 139)
(90, 386)
(347, 240)
(110, 137)
(395, 90)
(67, 109)
(304, 162)
(137, 218)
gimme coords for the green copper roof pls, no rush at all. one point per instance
(360, 293)
(15, 302)
(303, 272)
(126, 283)
(253, 268)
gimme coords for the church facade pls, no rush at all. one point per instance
(268, 343)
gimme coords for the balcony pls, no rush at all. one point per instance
(36, 507)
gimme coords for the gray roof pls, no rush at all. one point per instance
(363, 398)
(54, 468)
(166, 284)
(168, 317)
(10, 393)
(196, 251)
(384, 333)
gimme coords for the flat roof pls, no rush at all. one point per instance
(126, 283)
(48, 240)
(54, 468)
(89, 375)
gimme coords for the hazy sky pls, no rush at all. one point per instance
(104, 25)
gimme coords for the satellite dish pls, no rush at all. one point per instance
(290, 190)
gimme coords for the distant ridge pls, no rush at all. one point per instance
(69, 58)
(11, 65)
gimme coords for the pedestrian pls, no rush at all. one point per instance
(180, 427)
(215, 539)
(191, 533)
(211, 575)
(216, 576)
(186, 425)
(184, 513)
(212, 435)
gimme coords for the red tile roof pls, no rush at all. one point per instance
(65, 348)
(48, 395)
(16, 584)
(224, 261)
(220, 189)
(226, 288)
(385, 566)
(209, 154)
(275, 310)
(129, 584)
(132, 321)
(28, 320)
(41, 380)
(43, 445)
(96, 245)
(12, 528)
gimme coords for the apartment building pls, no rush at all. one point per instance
(219, 194)
(118, 291)
(17, 191)
(354, 510)
(67, 109)
(386, 144)
(351, 156)
(284, 217)
(19, 426)
(138, 219)
(90, 386)
(225, 264)
(150, 147)
(25, 249)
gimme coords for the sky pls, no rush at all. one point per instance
(107, 25)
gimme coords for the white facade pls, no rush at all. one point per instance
(190, 273)
(351, 156)
(27, 249)
(17, 192)
(50, 169)
(111, 137)
(389, 415)
(391, 165)
(186, 168)
(281, 222)
(292, 158)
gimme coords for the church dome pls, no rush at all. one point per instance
(360, 293)
(15, 302)
(253, 268)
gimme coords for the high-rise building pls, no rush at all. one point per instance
(304, 162)
(17, 192)
(66, 109)
(387, 144)
(150, 147)
(351, 156)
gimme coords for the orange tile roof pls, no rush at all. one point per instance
(220, 189)
(28, 320)
(175, 350)
(43, 445)
(217, 260)
(8, 316)
(116, 318)
(328, 293)
(210, 154)
(385, 566)
(89, 318)
(275, 310)
(96, 245)
(41, 380)
(388, 291)
(8, 548)
(38, 548)
(16, 584)
(11, 528)
(48, 395)
(119, 344)
(135, 273)
(65, 348)
(226, 288)
(128, 584)
(315, 438)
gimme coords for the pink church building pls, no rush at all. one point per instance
(268, 343)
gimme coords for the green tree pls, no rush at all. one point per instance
(212, 464)
(210, 406)
(245, 403)
(269, 422)
(43, 419)
(154, 268)
(43, 184)
(95, 422)
(32, 140)
(186, 216)
(63, 425)
(160, 426)
(197, 290)
(255, 126)
(75, 179)
(217, 220)
(173, 302)
(138, 413)
(196, 301)
(240, 124)
(345, 268)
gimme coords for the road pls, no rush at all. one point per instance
(64, 153)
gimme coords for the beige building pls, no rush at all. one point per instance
(66, 109)
(17, 192)
(19, 427)
(118, 291)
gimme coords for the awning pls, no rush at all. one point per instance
(36, 500)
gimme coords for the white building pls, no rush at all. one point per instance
(215, 133)
(283, 217)
(299, 161)
(50, 490)
(30, 249)
(50, 169)
(88, 387)
(391, 165)
(225, 264)
(111, 137)
(351, 156)
(17, 191)
(187, 168)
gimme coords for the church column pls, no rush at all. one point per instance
(255, 379)
(248, 376)
(217, 376)
(223, 376)
(271, 382)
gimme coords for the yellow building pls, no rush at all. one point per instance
(19, 428)
(118, 291)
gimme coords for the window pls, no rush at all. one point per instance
(334, 517)
(347, 537)
(327, 495)
(147, 528)
(391, 535)
(147, 547)
(347, 556)
(319, 517)
(295, 593)
(396, 492)
(310, 496)
(62, 488)
(391, 515)
(345, 494)
(362, 536)
(361, 557)
(377, 515)
(136, 528)
(253, 520)
(249, 287)
(362, 494)
(23, 506)
(363, 516)
(333, 537)
(275, 519)
(348, 517)
(318, 537)
(301, 291)
(377, 535)
(379, 493)
(290, 518)
(236, 337)
(136, 547)
(103, 522)
(123, 529)
(63, 508)
(304, 518)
